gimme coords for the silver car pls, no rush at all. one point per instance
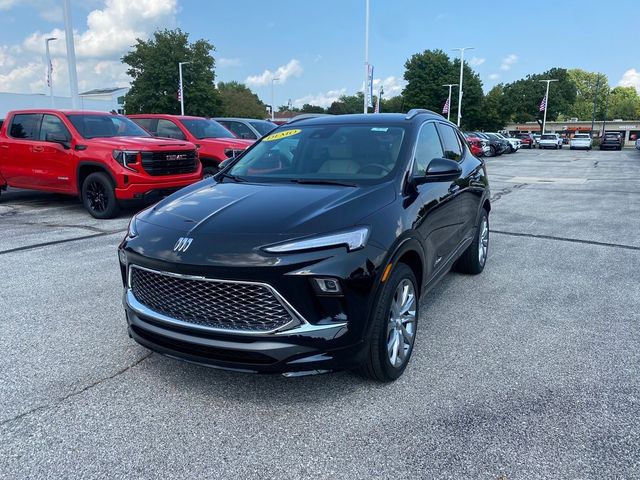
(550, 140)
(249, 128)
(581, 140)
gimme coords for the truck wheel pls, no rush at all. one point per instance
(99, 197)
(209, 171)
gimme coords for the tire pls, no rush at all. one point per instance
(385, 338)
(474, 258)
(98, 196)
(209, 171)
(492, 151)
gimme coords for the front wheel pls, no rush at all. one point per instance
(98, 196)
(395, 321)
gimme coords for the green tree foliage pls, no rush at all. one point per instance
(427, 72)
(494, 115)
(586, 85)
(393, 105)
(239, 101)
(347, 104)
(153, 65)
(624, 103)
(308, 108)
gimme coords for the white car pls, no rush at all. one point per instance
(581, 140)
(514, 143)
(638, 144)
(550, 140)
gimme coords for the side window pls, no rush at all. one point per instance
(53, 129)
(241, 130)
(149, 124)
(168, 129)
(26, 126)
(428, 147)
(451, 142)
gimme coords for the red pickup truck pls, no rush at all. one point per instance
(102, 157)
(214, 142)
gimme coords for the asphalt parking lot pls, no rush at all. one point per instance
(530, 370)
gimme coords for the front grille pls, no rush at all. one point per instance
(210, 303)
(170, 163)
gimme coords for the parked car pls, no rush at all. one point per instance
(514, 143)
(505, 146)
(527, 140)
(310, 252)
(638, 143)
(580, 140)
(496, 146)
(479, 146)
(248, 128)
(104, 158)
(536, 137)
(550, 140)
(215, 143)
(612, 140)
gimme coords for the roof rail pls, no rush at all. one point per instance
(304, 116)
(416, 111)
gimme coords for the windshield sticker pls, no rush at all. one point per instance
(279, 135)
(379, 129)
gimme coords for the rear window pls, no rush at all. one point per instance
(612, 135)
(581, 136)
(26, 126)
(263, 127)
(548, 137)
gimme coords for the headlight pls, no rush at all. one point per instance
(352, 239)
(127, 158)
(132, 231)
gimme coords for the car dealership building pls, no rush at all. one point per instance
(629, 128)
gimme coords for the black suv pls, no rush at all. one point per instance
(309, 253)
(612, 140)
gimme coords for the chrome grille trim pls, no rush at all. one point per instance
(296, 319)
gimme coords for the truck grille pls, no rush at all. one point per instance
(228, 305)
(170, 163)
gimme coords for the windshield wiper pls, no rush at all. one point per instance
(231, 177)
(309, 181)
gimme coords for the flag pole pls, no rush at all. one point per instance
(449, 99)
(546, 104)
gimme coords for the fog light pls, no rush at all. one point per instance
(122, 256)
(327, 286)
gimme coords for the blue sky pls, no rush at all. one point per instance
(317, 47)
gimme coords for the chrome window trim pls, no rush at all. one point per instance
(297, 320)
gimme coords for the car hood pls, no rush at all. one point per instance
(141, 143)
(240, 143)
(273, 210)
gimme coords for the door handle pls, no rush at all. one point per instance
(37, 148)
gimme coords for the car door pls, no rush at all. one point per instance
(240, 129)
(19, 164)
(168, 129)
(435, 209)
(54, 158)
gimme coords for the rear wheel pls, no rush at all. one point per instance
(395, 321)
(474, 257)
(98, 196)
(492, 151)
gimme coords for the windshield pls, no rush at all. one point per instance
(205, 128)
(105, 126)
(362, 153)
(263, 127)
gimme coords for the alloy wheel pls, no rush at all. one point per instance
(97, 196)
(401, 328)
(483, 243)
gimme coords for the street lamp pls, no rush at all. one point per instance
(546, 103)
(450, 85)
(50, 69)
(462, 49)
(593, 116)
(273, 107)
(366, 56)
(181, 89)
(71, 55)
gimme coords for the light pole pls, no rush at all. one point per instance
(273, 107)
(366, 56)
(546, 104)
(606, 108)
(462, 49)
(71, 55)
(595, 96)
(450, 85)
(181, 87)
(50, 69)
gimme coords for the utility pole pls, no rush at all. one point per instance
(595, 96)
(450, 85)
(71, 55)
(273, 107)
(546, 103)
(50, 70)
(366, 57)
(181, 89)
(462, 49)
(606, 108)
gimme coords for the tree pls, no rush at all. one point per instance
(586, 84)
(494, 117)
(240, 101)
(308, 108)
(153, 65)
(393, 105)
(624, 103)
(347, 104)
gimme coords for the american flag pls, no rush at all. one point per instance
(445, 109)
(543, 104)
(49, 73)
(179, 90)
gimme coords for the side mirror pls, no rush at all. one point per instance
(59, 138)
(442, 169)
(225, 163)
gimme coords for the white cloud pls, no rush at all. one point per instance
(283, 73)
(109, 33)
(475, 61)
(7, 4)
(493, 76)
(228, 62)
(391, 86)
(320, 99)
(630, 78)
(508, 62)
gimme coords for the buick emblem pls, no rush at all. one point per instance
(182, 244)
